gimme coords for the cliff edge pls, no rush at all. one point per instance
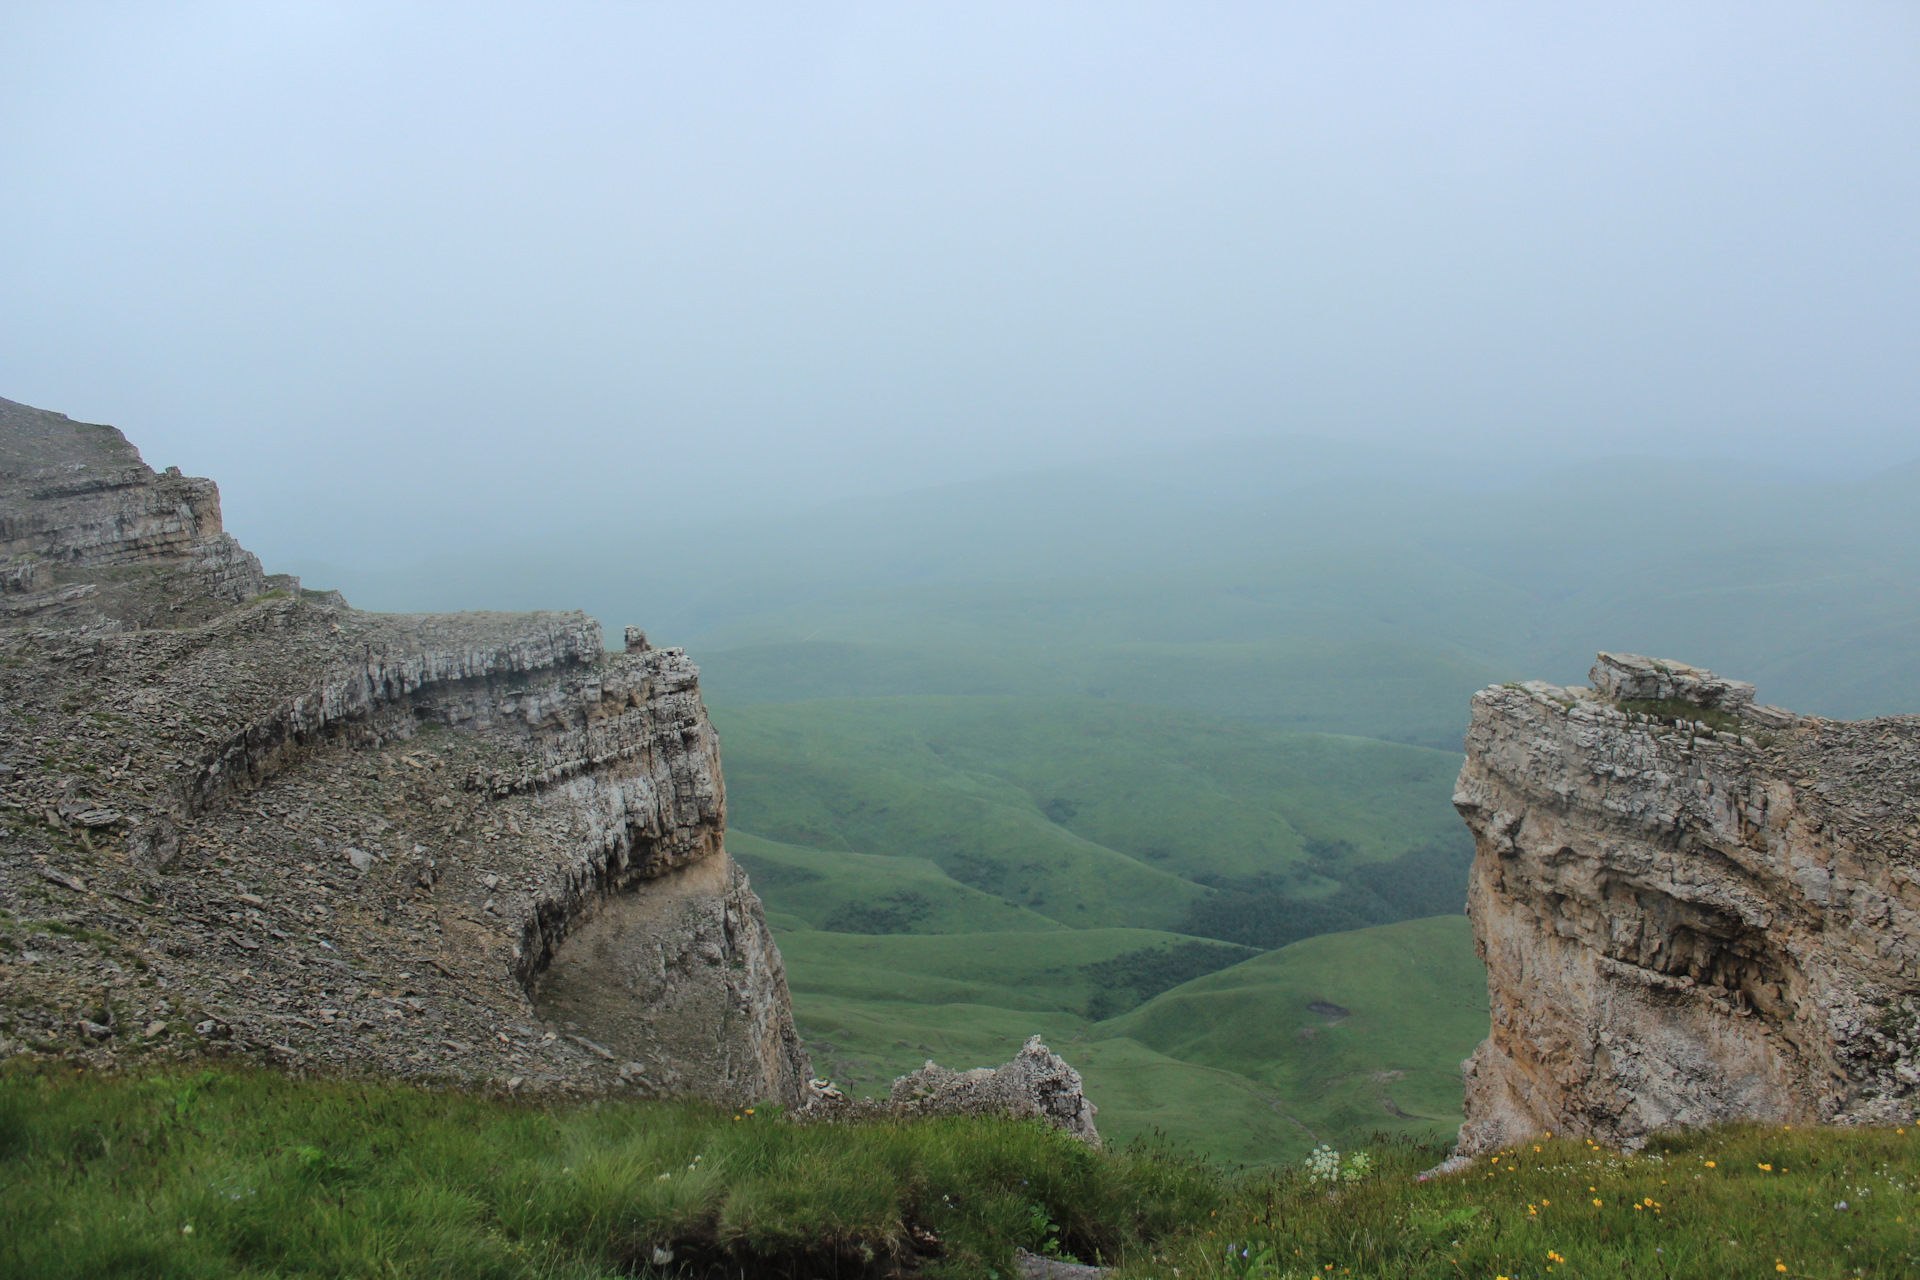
(1692, 908)
(245, 818)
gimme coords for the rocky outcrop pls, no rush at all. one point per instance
(1036, 1084)
(1692, 908)
(75, 498)
(247, 818)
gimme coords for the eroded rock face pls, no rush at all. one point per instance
(455, 845)
(681, 981)
(1692, 909)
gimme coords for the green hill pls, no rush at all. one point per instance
(1330, 1039)
(1356, 1031)
(871, 893)
(1393, 691)
(1064, 971)
(1095, 814)
(951, 875)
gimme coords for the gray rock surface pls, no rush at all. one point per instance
(1034, 1267)
(1689, 917)
(248, 819)
(1036, 1083)
(1628, 677)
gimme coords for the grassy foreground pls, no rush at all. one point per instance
(239, 1174)
(1734, 1202)
(248, 1174)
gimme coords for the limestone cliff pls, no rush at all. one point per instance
(243, 817)
(1692, 908)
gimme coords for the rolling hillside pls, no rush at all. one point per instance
(1331, 1039)
(951, 875)
(1095, 813)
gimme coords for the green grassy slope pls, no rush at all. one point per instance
(871, 893)
(837, 776)
(864, 1044)
(881, 807)
(1093, 812)
(1020, 971)
(193, 1175)
(1393, 691)
(1358, 1031)
(1238, 1063)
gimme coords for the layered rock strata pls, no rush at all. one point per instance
(1692, 908)
(246, 818)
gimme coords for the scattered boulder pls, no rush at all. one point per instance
(155, 843)
(823, 1092)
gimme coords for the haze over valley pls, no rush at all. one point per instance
(1093, 457)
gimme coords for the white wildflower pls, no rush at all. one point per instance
(1323, 1165)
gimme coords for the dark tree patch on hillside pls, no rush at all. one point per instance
(897, 912)
(977, 872)
(1262, 911)
(1135, 977)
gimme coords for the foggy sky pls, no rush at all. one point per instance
(403, 277)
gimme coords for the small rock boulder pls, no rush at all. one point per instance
(1032, 1266)
(1037, 1083)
